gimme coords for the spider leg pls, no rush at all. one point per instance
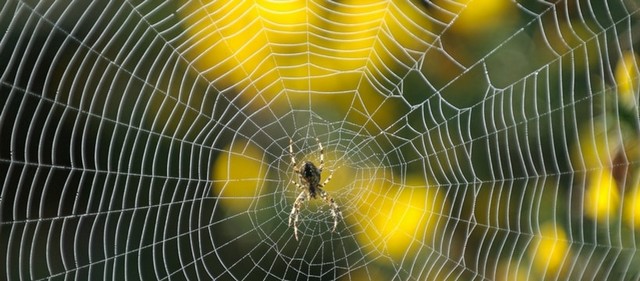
(327, 180)
(295, 211)
(321, 155)
(297, 184)
(293, 160)
(335, 210)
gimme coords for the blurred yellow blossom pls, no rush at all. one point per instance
(551, 249)
(397, 220)
(238, 175)
(270, 52)
(475, 17)
(627, 78)
(602, 198)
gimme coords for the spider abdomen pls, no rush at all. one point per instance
(310, 174)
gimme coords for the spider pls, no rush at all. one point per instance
(309, 177)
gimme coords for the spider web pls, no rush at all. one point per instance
(467, 140)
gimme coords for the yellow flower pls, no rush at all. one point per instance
(397, 220)
(277, 52)
(602, 197)
(238, 176)
(627, 75)
(551, 249)
(475, 17)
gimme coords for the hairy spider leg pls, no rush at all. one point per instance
(297, 184)
(293, 159)
(321, 155)
(295, 211)
(327, 180)
(293, 162)
(335, 210)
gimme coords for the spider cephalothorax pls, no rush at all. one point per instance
(309, 178)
